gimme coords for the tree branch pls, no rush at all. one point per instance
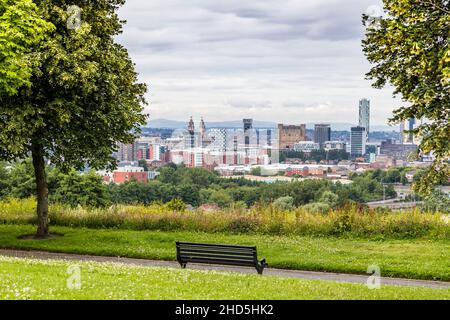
(436, 6)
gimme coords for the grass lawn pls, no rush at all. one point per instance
(34, 279)
(416, 258)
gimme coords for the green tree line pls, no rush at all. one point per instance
(193, 186)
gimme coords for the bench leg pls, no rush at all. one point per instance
(183, 265)
(261, 265)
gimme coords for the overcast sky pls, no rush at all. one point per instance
(291, 61)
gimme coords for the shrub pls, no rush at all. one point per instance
(176, 205)
(284, 204)
(316, 207)
(242, 225)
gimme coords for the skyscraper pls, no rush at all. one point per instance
(364, 115)
(248, 126)
(358, 141)
(322, 133)
(191, 131)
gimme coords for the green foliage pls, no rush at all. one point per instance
(143, 164)
(317, 207)
(256, 171)
(221, 198)
(189, 193)
(178, 182)
(84, 96)
(81, 189)
(262, 220)
(20, 181)
(409, 50)
(438, 201)
(21, 29)
(176, 205)
(329, 198)
(368, 187)
(284, 203)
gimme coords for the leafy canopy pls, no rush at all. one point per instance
(84, 95)
(20, 29)
(409, 48)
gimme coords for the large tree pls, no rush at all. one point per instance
(409, 48)
(20, 29)
(84, 96)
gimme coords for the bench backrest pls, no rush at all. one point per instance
(216, 253)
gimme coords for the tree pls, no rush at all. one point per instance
(189, 193)
(84, 97)
(437, 202)
(410, 50)
(221, 198)
(330, 198)
(20, 29)
(81, 189)
(4, 183)
(284, 203)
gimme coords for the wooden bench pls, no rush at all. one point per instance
(245, 256)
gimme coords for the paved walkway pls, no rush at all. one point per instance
(311, 275)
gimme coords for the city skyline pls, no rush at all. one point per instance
(300, 61)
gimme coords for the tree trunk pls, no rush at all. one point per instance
(37, 153)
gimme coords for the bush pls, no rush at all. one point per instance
(316, 207)
(176, 205)
(284, 204)
(242, 225)
(329, 198)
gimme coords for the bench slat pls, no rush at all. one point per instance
(250, 254)
(199, 244)
(226, 262)
(218, 256)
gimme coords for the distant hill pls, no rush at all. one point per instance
(174, 124)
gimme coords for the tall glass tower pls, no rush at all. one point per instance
(364, 115)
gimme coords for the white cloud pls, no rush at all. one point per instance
(279, 60)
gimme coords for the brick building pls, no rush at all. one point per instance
(289, 135)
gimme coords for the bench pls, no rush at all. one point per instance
(245, 256)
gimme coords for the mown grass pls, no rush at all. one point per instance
(352, 221)
(412, 258)
(35, 279)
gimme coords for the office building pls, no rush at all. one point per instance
(364, 116)
(358, 141)
(289, 135)
(322, 133)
